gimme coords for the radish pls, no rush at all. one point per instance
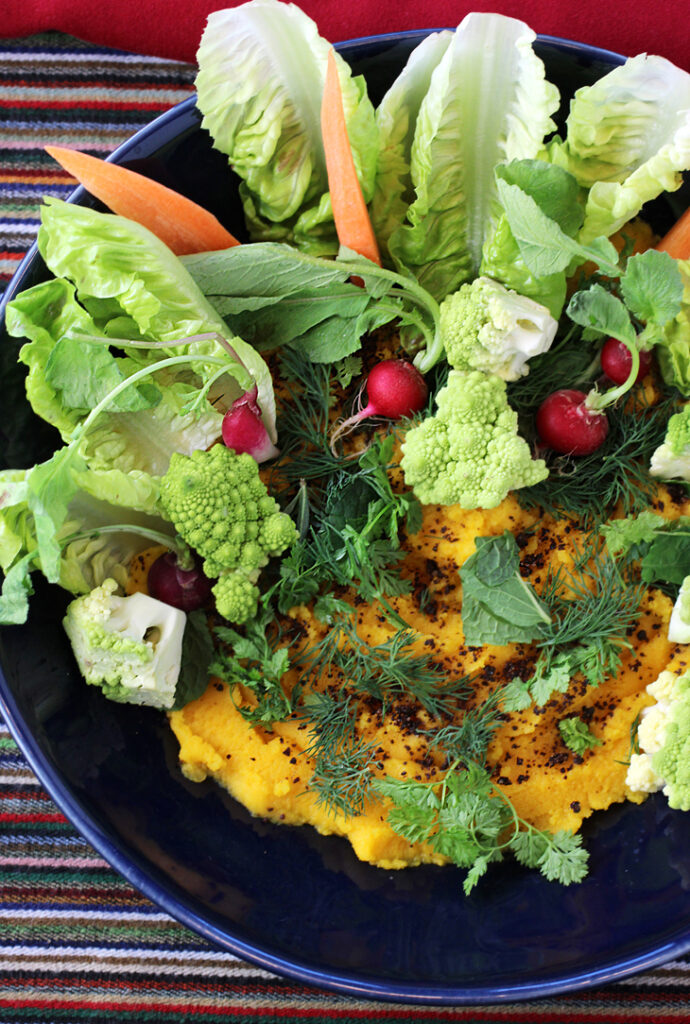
(185, 588)
(568, 424)
(243, 429)
(395, 389)
(616, 361)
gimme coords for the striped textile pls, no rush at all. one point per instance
(77, 943)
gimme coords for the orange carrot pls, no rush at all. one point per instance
(350, 213)
(184, 226)
(676, 241)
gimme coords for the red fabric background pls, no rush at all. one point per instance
(172, 28)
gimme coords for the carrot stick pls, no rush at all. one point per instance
(350, 213)
(676, 241)
(184, 226)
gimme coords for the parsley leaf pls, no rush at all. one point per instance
(577, 736)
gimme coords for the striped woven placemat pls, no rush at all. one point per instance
(77, 943)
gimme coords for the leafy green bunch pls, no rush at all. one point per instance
(467, 819)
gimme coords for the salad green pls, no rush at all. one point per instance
(136, 356)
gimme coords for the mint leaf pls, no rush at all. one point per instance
(652, 287)
(554, 189)
(668, 557)
(197, 654)
(498, 606)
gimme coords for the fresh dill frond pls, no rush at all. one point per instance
(569, 358)
(467, 739)
(616, 475)
(592, 621)
(343, 763)
(387, 672)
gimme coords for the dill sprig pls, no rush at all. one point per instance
(343, 762)
(602, 605)
(388, 671)
(593, 608)
(467, 739)
(570, 358)
(355, 676)
(589, 487)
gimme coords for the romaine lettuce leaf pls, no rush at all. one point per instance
(90, 531)
(262, 68)
(488, 103)
(396, 118)
(134, 287)
(627, 140)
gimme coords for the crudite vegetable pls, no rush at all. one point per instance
(386, 506)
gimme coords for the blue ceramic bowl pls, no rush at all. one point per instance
(289, 899)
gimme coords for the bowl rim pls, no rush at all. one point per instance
(131, 866)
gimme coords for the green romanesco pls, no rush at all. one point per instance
(671, 460)
(129, 646)
(664, 741)
(469, 453)
(220, 506)
(487, 327)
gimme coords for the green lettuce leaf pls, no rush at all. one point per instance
(396, 118)
(72, 524)
(627, 140)
(133, 287)
(488, 103)
(262, 68)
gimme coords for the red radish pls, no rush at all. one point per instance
(244, 431)
(395, 388)
(616, 361)
(567, 424)
(187, 589)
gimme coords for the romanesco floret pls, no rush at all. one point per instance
(664, 740)
(671, 460)
(220, 506)
(469, 453)
(487, 327)
(129, 646)
(236, 595)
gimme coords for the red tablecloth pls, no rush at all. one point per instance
(172, 28)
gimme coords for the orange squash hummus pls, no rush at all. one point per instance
(549, 785)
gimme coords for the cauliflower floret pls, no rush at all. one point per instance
(641, 777)
(220, 506)
(671, 460)
(679, 625)
(469, 453)
(664, 739)
(129, 646)
(487, 327)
